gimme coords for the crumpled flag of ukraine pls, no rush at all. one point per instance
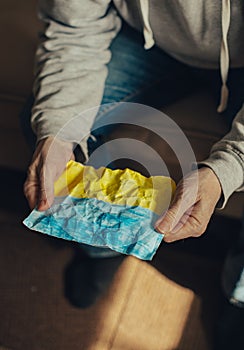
(108, 208)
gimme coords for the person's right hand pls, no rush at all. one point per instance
(48, 163)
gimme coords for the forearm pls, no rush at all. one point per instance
(227, 159)
(70, 67)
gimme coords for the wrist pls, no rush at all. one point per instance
(48, 140)
(213, 181)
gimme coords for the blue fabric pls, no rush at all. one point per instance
(127, 230)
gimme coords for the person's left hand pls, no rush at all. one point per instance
(193, 205)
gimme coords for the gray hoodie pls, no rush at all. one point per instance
(72, 56)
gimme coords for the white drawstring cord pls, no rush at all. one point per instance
(147, 30)
(224, 55)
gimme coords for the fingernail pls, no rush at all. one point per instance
(159, 228)
(42, 202)
(163, 227)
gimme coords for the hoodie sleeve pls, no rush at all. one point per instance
(70, 69)
(227, 159)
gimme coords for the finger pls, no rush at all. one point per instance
(195, 225)
(31, 193)
(173, 235)
(184, 199)
(46, 188)
(167, 221)
(30, 189)
(173, 216)
(48, 175)
(182, 220)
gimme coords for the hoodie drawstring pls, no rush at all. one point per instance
(224, 55)
(224, 51)
(147, 30)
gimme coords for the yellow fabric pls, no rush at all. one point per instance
(122, 187)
